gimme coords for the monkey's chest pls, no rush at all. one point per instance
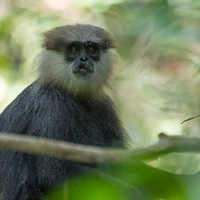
(71, 123)
(86, 127)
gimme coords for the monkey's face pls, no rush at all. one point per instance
(84, 57)
(78, 57)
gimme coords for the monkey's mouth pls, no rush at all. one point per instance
(83, 70)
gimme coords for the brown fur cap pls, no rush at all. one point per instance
(57, 38)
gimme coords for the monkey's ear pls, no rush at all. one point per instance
(111, 44)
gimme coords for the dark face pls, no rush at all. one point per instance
(84, 55)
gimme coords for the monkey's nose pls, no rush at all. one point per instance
(84, 59)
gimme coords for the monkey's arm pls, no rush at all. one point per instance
(16, 169)
(114, 131)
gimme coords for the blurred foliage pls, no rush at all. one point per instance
(131, 180)
(159, 81)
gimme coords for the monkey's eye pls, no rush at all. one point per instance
(91, 49)
(74, 49)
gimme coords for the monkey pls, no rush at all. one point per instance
(66, 102)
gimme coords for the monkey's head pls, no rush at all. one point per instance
(78, 57)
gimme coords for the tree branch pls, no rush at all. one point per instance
(94, 155)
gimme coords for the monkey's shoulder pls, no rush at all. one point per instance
(17, 115)
(50, 98)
